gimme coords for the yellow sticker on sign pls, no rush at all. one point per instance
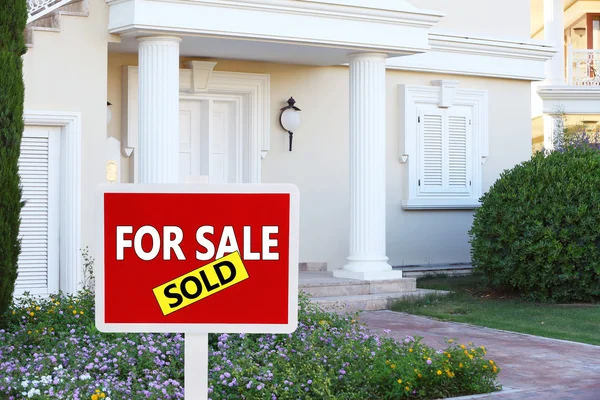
(200, 283)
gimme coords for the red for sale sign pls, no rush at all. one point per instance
(197, 258)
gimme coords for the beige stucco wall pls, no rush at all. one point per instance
(66, 71)
(487, 18)
(318, 164)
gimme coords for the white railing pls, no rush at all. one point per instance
(38, 8)
(583, 67)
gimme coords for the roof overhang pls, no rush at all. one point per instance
(316, 32)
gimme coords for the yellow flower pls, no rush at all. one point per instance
(471, 356)
(393, 366)
(102, 395)
(399, 380)
(439, 372)
(387, 361)
(74, 311)
(97, 390)
(29, 332)
(460, 365)
(492, 362)
(470, 343)
(410, 350)
(495, 369)
(94, 397)
(38, 308)
(13, 312)
(70, 306)
(462, 346)
(31, 313)
(407, 388)
(57, 303)
(51, 329)
(81, 312)
(420, 376)
(466, 352)
(450, 341)
(449, 356)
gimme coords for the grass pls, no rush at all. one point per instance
(471, 302)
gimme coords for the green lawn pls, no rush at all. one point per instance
(470, 302)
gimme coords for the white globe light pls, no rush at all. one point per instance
(290, 120)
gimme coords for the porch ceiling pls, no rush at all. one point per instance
(308, 32)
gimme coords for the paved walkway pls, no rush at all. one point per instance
(533, 368)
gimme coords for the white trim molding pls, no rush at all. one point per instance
(570, 99)
(480, 56)
(70, 191)
(251, 90)
(442, 94)
(394, 27)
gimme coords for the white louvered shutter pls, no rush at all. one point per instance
(459, 150)
(431, 152)
(38, 168)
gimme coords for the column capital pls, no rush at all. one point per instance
(160, 38)
(367, 55)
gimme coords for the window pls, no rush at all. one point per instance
(444, 145)
(39, 164)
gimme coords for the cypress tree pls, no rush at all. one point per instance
(13, 20)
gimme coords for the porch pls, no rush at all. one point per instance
(179, 92)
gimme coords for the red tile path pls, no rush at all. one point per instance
(533, 368)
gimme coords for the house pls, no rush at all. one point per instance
(409, 112)
(571, 93)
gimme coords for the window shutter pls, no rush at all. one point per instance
(459, 151)
(37, 269)
(431, 160)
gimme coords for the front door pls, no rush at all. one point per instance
(209, 142)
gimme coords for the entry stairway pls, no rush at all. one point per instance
(350, 295)
(45, 15)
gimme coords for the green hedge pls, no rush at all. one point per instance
(538, 229)
(13, 19)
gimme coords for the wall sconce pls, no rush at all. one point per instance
(579, 31)
(289, 119)
(108, 113)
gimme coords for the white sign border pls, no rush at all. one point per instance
(266, 188)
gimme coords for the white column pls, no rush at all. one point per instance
(553, 125)
(367, 259)
(158, 132)
(554, 28)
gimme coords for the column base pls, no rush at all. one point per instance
(367, 275)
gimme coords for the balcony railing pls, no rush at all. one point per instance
(38, 8)
(583, 67)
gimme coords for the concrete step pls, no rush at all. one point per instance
(51, 22)
(313, 266)
(416, 271)
(319, 284)
(366, 302)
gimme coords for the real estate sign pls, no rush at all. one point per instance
(197, 258)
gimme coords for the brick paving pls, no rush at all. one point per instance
(533, 368)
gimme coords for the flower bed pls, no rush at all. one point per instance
(51, 350)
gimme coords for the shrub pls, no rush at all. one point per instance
(13, 18)
(537, 229)
(52, 350)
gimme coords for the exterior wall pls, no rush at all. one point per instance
(506, 19)
(318, 164)
(66, 71)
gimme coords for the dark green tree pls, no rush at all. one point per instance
(13, 19)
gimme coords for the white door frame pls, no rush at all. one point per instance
(253, 90)
(70, 272)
